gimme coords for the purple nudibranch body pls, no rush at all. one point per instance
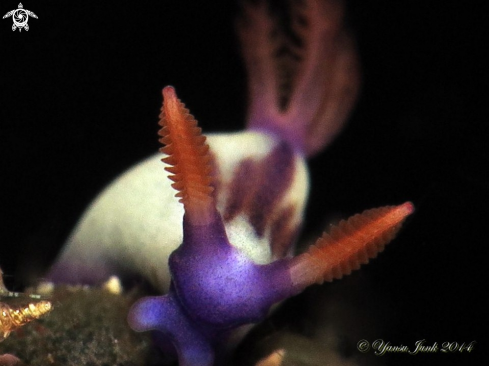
(211, 294)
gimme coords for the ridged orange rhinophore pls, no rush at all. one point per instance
(349, 245)
(188, 156)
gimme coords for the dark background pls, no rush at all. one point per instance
(80, 93)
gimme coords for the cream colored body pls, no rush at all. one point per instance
(133, 226)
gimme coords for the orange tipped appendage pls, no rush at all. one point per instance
(188, 155)
(348, 245)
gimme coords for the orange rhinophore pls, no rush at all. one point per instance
(188, 156)
(349, 245)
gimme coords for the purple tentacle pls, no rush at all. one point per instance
(164, 314)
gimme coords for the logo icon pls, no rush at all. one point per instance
(20, 17)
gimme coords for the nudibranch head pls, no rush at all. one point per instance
(215, 287)
(217, 274)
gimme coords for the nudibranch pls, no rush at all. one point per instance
(222, 249)
(217, 288)
(299, 98)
